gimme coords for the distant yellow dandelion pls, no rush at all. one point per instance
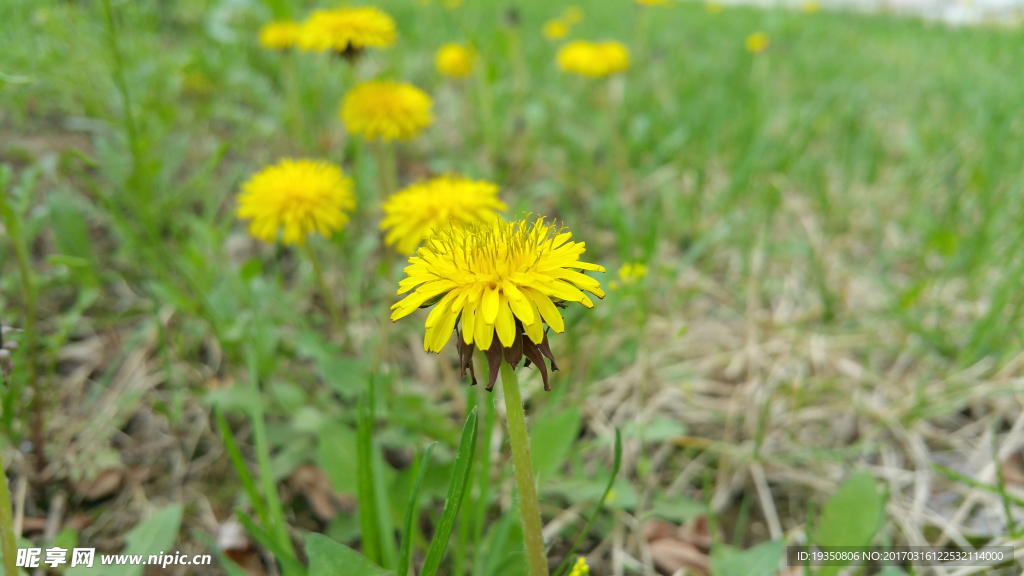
(386, 110)
(629, 273)
(454, 60)
(296, 198)
(594, 59)
(279, 35)
(810, 6)
(452, 4)
(580, 568)
(497, 278)
(347, 30)
(412, 214)
(757, 42)
(714, 7)
(555, 29)
(572, 15)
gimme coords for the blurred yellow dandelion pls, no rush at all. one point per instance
(386, 110)
(279, 35)
(497, 278)
(629, 273)
(454, 60)
(296, 198)
(580, 568)
(652, 2)
(594, 59)
(452, 4)
(347, 30)
(555, 29)
(412, 214)
(572, 15)
(714, 7)
(757, 42)
(810, 6)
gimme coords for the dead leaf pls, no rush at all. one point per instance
(671, 555)
(30, 524)
(235, 543)
(104, 484)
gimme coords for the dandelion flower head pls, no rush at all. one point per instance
(386, 110)
(629, 273)
(757, 42)
(555, 29)
(347, 30)
(572, 15)
(594, 59)
(580, 568)
(454, 60)
(811, 6)
(500, 280)
(296, 198)
(279, 35)
(714, 7)
(412, 214)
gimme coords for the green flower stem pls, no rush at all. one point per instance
(525, 480)
(7, 544)
(387, 168)
(325, 290)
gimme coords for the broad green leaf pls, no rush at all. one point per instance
(761, 560)
(851, 517)
(678, 509)
(338, 456)
(551, 439)
(456, 492)
(328, 558)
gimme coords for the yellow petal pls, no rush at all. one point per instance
(504, 324)
(489, 306)
(547, 309)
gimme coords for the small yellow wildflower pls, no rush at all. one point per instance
(580, 568)
(386, 110)
(279, 35)
(629, 273)
(414, 213)
(347, 30)
(296, 198)
(757, 42)
(593, 59)
(454, 60)
(452, 4)
(714, 7)
(555, 29)
(572, 15)
(811, 6)
(500, 281)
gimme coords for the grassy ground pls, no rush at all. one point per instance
(832, 230)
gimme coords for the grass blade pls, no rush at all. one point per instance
(289, 563)
(456, 491)
(367, 497)
(600, 505)
(389, 552)
(405, 555)
(240, 466)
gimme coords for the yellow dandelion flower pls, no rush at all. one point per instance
(497, 279)
(810, 6)
(757, 42)
(629, 273)
(572, 15)
(580, 568)
(652, 2)
(347, 30)
(296, 198)
(386, 110)
(593, 59)
(279, 35)
(412, 214)
(454, 60)
(714, 7)
(452, 4)
(555, 29)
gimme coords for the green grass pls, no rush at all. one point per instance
(860, 182)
